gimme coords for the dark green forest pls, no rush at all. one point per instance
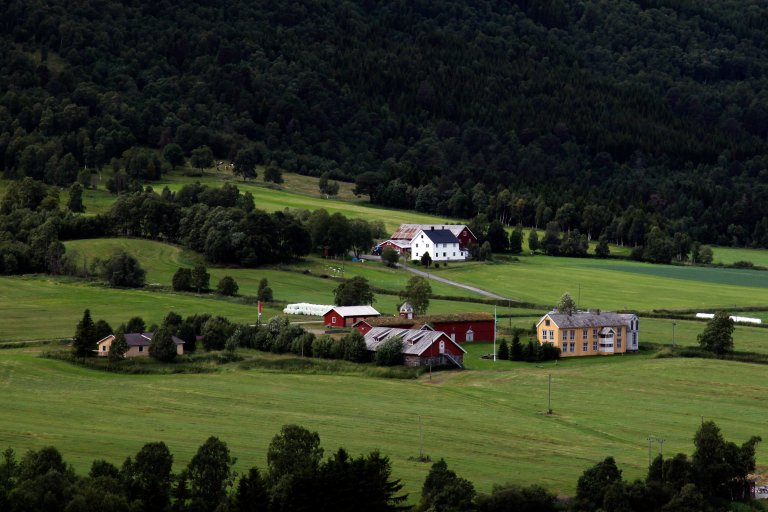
(608, 117)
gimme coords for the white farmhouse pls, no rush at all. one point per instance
(441, 244)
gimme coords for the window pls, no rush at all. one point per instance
(634, 338)
(573, 347)
(618, 332)
(564, 335)
(585, 346)
(103, 348)
(454, 254)
(141, 348)
(573, 334)
(333, 319)
(594, 346)
(565, 347)
(552, 335)
(546, 322)
(417, 246)
(594, 333)
(618, 343)
(544, 335)
(585, 334)
(443, 255)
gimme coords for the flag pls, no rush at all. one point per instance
(495, 322)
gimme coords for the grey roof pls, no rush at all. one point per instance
(137, 339)
(589, 320)
(441, 236)
(415, 341)
(408, 231)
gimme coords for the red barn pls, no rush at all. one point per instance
(461, 328)
(460, 231)
(346, 316)
(421, 347)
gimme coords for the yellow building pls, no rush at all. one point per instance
(589, 333)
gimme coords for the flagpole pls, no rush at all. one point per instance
(495, 321)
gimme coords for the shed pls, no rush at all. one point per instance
(347, 316)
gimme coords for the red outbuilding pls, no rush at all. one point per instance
(347, 316)
(461, 328)
(421, 347)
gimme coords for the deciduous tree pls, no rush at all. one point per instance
(417, 292)
(718, 334)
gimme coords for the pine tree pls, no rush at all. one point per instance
(503, 352)
(516, 352)
(84, 341)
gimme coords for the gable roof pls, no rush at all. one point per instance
(440, 236)
(588, 320)
(140, 339)
(408, 231)
(415, 341)
(346, 311)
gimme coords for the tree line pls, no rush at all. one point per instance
(299, 478)
(221, 223)
(628, 116)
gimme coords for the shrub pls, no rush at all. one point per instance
(323, 347)
(390, 353)
(355, 349)
(182, 280)
(216, 331)
(122, 269)
(227, 286)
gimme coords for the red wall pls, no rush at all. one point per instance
(434, 349)
(483, 329)
(395, 247)
(363, 328)
(340, 320)
(465, 237)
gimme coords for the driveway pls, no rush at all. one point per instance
(484, 293)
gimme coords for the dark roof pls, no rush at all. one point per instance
(441, 236)
(589, 319)
(138, 339)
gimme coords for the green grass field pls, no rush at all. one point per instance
(614, 284)
(488, 425)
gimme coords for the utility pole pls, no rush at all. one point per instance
(650, 440)
(421, 443)
(673, 333)
(661, 446)
(549, 395)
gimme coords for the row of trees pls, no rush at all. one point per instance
(298, 478)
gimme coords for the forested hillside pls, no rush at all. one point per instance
(607, 116)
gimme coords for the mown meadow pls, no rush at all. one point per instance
(490, 425)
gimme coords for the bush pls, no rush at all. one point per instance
(390, 257)
(216, 331)
(323, 347)
(355, 349)
(182, 280)
(122, 269)
(390, 353)
(227, 286)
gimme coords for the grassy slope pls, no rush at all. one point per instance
(487, 424)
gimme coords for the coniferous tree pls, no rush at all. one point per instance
(264, 293)
(84, 340)
(516, 350)
(503, 352)
(162, 347)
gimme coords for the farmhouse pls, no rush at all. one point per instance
(347, 316)
(138, 344)
(421, 347)
(461, 328)
(589, 333)
(441, 244)
(460, 231)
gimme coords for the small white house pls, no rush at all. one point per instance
(441, 244)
